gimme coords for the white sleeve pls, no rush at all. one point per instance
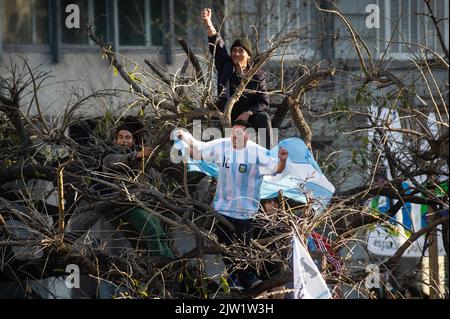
(208, 151)
(266, 164)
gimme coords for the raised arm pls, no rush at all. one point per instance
(216, 43)
(282, 158)
(206, 17)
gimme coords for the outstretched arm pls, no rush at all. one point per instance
(188, 139)
(198, 150)
(194, 146)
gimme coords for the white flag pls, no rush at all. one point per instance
(308, 282)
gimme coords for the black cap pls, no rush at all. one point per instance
(243, 43)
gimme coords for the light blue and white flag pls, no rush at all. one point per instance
(301, 178)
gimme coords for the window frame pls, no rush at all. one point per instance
(112, 29)
(25, 47)
(402, 56)
(304, 52)
(1, 30)
(116, 29)
(446, 29)
(80, 46)
(148, 31)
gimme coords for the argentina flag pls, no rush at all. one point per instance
(302, 178)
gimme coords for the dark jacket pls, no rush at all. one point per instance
(228, 80)
(123, 160)
(120, 159)
(117, 160)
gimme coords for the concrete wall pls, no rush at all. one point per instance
(82, 70)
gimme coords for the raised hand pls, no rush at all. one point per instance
(178, 134)
(283, 154)
(206, 16)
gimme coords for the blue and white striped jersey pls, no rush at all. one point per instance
(240, 176)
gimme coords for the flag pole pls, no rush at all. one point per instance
(435, 292)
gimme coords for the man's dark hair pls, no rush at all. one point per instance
(133, 125)
(246, 124)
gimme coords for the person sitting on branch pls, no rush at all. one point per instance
(253, 104)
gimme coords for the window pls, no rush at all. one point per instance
(137, 23)
(286, 16)
(99, 18)
(156, 23)
(140, 22)
(180, 17)
(132, 22)
(25, 22)
(91, 12)
(408, 22)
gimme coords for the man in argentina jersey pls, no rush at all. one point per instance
(242, 165)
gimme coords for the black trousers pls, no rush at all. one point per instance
(243, 234)
(262, 121)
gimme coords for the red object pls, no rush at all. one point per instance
(323, 244)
